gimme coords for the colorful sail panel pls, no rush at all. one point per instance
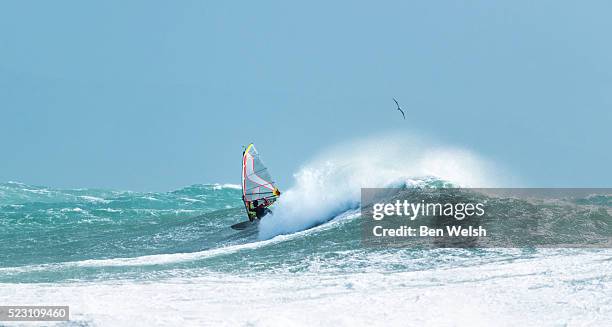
(257, 184)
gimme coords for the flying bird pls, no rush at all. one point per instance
(400, 109)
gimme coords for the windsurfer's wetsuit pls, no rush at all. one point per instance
(257, 210)
(261, 211)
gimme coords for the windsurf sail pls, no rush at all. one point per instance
(258, 188)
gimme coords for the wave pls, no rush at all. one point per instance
(175, 258)
(331, 183)
(88, 228)
(13, 193)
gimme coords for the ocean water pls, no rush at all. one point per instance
(121, 258)
(129, 258)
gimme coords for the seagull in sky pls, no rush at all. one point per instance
(400, 109)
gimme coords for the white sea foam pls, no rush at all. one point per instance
(76, 209)
(171, 258)
(16, 183)
(218, 186)
(110, 210)
(37, 191)
(90, 198)
(331, 183)
(190, 199)
(539, 291)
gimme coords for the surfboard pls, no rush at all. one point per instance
(245, 224)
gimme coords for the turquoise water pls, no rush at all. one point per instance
(82, 247)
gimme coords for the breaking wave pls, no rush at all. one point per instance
(331, 183)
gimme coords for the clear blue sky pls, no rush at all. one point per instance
(154, 95)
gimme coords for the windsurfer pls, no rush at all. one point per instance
(258, 209)
(258, 189)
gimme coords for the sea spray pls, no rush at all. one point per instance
(331, 183)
